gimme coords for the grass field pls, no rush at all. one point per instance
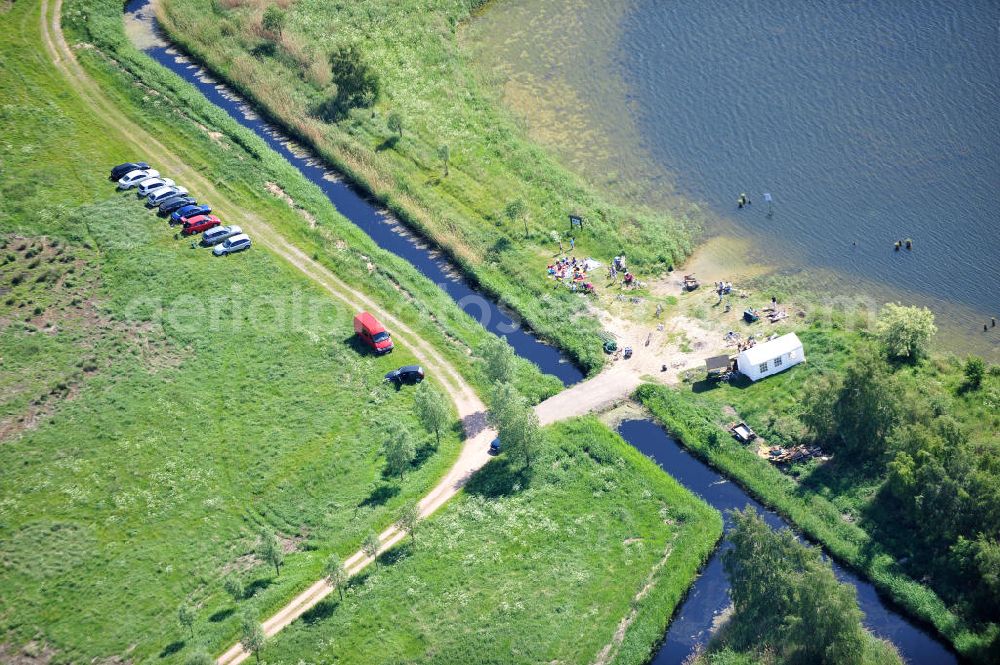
(427, 80)
(525, 569)
(833, 504)
(160, 406)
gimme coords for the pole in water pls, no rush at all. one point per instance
(770, 209)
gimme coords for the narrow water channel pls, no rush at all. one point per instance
(387, 232)
(710, 593)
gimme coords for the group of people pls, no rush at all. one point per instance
(573, 271)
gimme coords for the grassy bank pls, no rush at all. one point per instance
(426, 80)
(526, 569)
(839, 504)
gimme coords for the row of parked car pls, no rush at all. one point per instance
(173, 201)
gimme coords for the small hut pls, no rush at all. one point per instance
(771, 357)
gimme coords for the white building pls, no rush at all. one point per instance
(771, 357)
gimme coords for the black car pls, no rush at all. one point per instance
(121, 170)
(407, 374)
(175, 203)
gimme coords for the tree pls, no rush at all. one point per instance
(274, 20)
(395, 123)
(444, 153)
(269, 550)
(357, 83)
(398, 449)
(432, 409)
(499, 359)
(252, 636)
(409, 519)
(515, 421)
(371, 545)
(785, 595)
(855, 413)
(185, 617)
(505, 402)
(905, 331)
(520, 434)
(974, 370)
(199, 658)
(336, 574)
(234, 587)
(516, 210)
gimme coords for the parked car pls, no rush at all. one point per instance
(199, 223)
(495, 446)
(146, 186)
(133, 178)
(176, 203)
(232, 245)
(178, 216)
(406, 374)
(120, 171)
(158, 196)
(218, 234)
(372, 333)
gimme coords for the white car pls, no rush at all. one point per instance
(232, 245)
(158, 196)
(133, 178)
(148, 185)
(218, 234)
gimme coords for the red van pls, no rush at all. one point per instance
(372, 333)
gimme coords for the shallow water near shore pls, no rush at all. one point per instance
(868, 123)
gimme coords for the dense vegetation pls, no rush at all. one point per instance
(911, 492)
(528, 565)
(788, 606)
(425, 140)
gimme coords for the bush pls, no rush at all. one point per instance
(905, 331)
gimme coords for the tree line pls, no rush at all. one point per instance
(938, 506)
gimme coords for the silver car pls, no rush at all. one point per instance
(133, 178)
(232, 245)
(219, 234)
(152, 184)
(158, 196)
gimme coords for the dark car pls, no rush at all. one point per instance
(407, 374)
(175, 203)
(119, 171)
(178, 216)
(495, 446)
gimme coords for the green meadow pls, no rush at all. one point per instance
(526, 567)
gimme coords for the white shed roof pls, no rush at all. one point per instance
(762, 353)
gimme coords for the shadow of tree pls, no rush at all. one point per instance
(501, 477)
(424, 453)
(222, 615)
(322, 610)
(387, 144)
(474, 423)
(380, 495)
(257, 585)
(172, 648)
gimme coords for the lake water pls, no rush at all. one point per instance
(868, 122)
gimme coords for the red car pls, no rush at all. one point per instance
(199, 223)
